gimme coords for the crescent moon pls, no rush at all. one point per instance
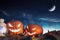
(52, 9)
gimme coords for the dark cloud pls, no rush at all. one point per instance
(51, 19)
(5, 13)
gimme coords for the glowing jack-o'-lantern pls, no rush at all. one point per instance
(33, 30)
(15, 27)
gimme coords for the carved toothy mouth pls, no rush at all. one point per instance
(16, 30)
(31, 33)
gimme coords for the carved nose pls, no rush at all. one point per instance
(14, 28)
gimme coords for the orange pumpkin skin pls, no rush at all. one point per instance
(15, 27)
(31, 28)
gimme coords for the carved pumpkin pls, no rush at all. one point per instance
(33, 30)
(15, 27)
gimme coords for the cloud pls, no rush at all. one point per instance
(28, 16)
(23, 14)
(38, 19)
(5, 13)
(51, 19)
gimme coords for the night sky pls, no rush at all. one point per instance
(32, 12)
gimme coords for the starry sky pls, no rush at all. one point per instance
(32, 12)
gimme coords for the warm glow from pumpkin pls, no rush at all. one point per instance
(33, 30)
(15, 27)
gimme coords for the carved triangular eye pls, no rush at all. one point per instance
(34, 29)
(27, 27)
(19, 25)
(10, 25)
